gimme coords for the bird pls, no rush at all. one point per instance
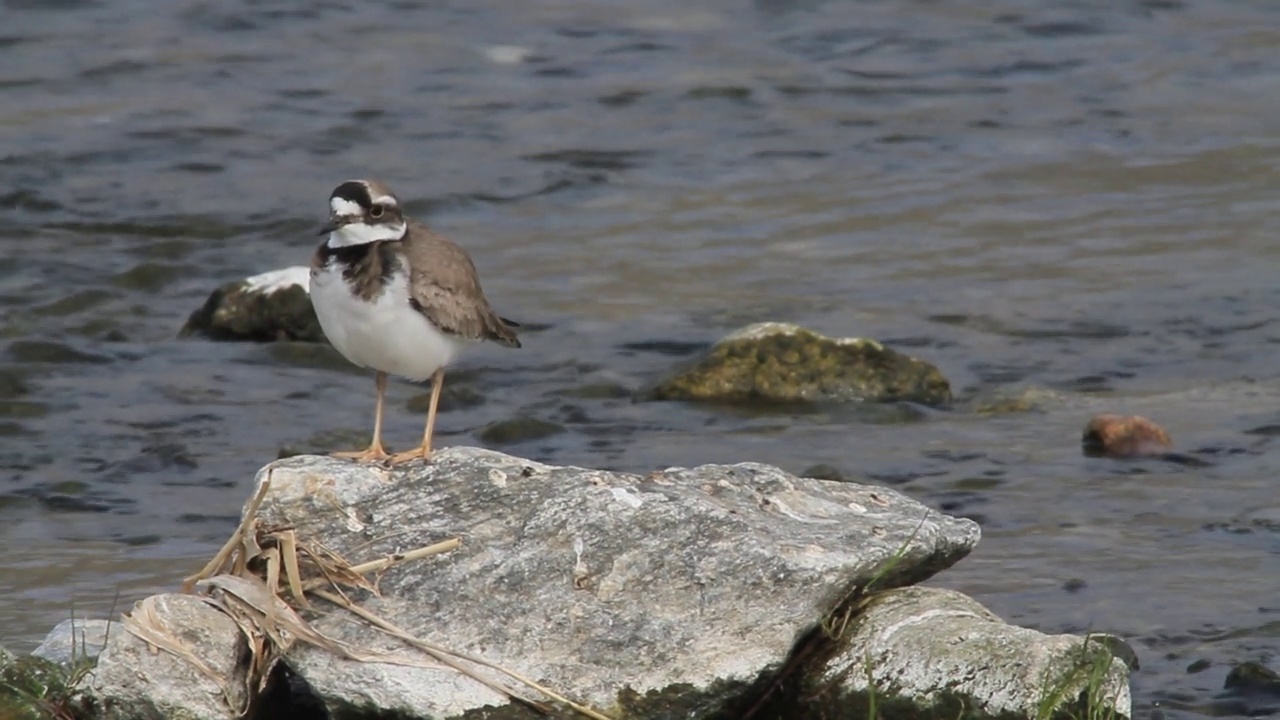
(396, 297)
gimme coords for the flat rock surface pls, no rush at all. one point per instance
(781, 362)
(664, 595)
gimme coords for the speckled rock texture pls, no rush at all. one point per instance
(779, 362)
(134, 680)
(675, 594)
(264, 308)
(931, 652)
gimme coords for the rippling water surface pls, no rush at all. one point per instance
(1076, 197)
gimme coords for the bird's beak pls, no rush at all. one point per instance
(329, 227)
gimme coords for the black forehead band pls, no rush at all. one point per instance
(355, 192)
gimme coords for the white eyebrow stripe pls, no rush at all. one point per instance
(384, 200)
(342, 206)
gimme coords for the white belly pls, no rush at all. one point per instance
(385, 333)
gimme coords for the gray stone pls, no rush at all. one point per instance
(75, 640)
(666, 595)
(932, 653)
(267, 307)
(781, 362)
(134, 680)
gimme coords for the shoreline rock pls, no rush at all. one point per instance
(683, 586)
(687, 592)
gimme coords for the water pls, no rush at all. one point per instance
(1077, 197)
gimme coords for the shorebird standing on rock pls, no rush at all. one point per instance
(394, 296)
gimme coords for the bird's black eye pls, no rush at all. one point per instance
(376, 211)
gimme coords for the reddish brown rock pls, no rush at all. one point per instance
(1124, 436)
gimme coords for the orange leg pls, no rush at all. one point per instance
(424, 450)
(375, 452)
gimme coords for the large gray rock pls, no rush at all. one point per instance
(781, 362)
(674, 594)
(272, 306)
(928, 652)
(72, 641)
(134, 680)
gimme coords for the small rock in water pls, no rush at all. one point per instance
(264, 308)
(1121, 436)
(1253, 677)
(780, 362)
(74, 640)
(452, 397)
(519, 429)
(822, 471)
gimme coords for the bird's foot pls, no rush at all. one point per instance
(375, 454)
(422, 452)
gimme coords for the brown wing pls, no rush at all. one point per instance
(444, 286)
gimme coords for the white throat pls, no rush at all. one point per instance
(358, 233)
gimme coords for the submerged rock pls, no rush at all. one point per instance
(1005, 401)
(267, 307)
(1121, 436)
(676, 592)
(930, 652)
(779, 362)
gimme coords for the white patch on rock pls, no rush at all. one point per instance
(507, 54)
(283, 279)
(769, 329)
(756, 331)
(625, 497)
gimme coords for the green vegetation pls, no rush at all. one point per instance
(33, 688)
(1081, 691)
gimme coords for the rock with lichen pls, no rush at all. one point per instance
(780, 362)
(267, 307)
(932, 652)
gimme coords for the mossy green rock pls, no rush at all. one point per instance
(779, 362)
